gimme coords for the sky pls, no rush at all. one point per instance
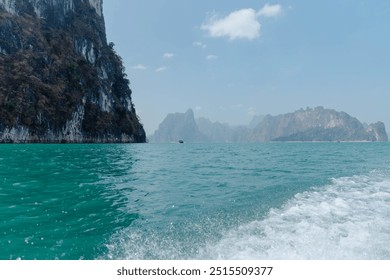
(231, 60)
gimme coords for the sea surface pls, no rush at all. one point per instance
(195, 201)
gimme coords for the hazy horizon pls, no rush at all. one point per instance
(232, 60)
(253, 119)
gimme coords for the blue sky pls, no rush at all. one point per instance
(230, 60)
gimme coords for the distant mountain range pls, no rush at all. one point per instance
(318, 124)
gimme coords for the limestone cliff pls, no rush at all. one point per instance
(178, 126)
(318, 124)
(59, 79)
(223, 132)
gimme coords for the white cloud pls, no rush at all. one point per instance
(200, 45)
(270, 10)
(161, 69)
(139, 67)
(168, 55)
(241, 24)
(211, 57)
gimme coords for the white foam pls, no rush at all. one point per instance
(348, 219)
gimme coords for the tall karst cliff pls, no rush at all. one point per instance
(317, 124)
(178, 126)
(59, 79)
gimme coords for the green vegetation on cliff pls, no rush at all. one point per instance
(59, 79)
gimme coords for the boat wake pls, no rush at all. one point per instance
(346, 219)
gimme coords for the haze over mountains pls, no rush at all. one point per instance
(318, 124)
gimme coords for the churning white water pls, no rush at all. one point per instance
(348, 219)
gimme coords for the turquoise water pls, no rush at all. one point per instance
(195, 201)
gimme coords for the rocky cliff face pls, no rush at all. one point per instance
(317, 124)
(223, 132)
(377, 132)
(184, 126)
(178, 126)
(59, 79)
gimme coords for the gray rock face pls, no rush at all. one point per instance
(317, 124)
(59, 79)
(56, 10)
(176, 127)
(223, 132)
(377, 132)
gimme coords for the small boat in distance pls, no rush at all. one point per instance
(181, 141)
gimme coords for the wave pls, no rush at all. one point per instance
(346, 219)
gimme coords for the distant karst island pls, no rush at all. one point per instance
(310, 124)
(60, 81)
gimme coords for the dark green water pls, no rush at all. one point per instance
(194, 201)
